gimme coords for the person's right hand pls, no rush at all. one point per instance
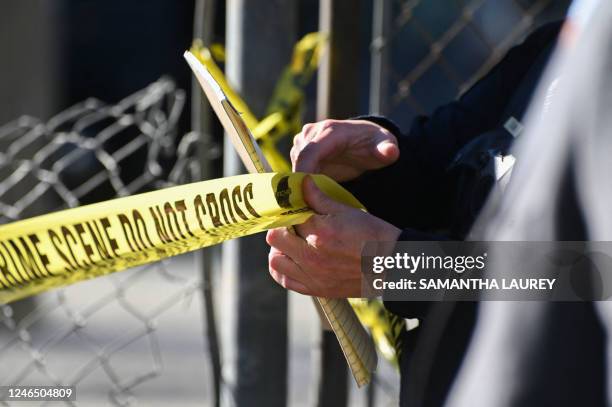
(343, 149)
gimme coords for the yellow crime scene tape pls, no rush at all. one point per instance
(68, 246)
(72, 245)
(283, 118)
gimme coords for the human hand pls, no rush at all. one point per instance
(343, 149)
(324, 258)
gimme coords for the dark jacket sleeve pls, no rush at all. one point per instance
(416, 191)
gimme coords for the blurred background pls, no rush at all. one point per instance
(96, 102)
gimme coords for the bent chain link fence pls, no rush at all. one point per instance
(110, 336)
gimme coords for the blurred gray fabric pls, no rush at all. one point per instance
(553, 354)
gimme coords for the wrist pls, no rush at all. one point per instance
(383, 122)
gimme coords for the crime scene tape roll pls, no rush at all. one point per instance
(72, 245)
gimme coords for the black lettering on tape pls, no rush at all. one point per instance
(21, 275)
(27, 260)
(211, 202)
(182, 208)
(80, 230)
(170, 217)
(237, 200)
(226, 206)
(199, 209)
(160, 225)
(44, 259)
(56, 241)
(248, 190)
(9, 276)
(98, 240)
(141, 228)
(16, 272)
(112, 242)
(125, 226)
(66, 233)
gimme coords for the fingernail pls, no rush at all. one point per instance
(385, 144)
(385, 147)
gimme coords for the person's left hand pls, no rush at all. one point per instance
(325, 259)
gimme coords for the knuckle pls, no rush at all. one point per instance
(297, 139)
(284, 282)
(317, 233)
(307, 128)
(270, 261)
(315, 240)
(272, 236)
(293, 153)
(328, 125)
(274, 261)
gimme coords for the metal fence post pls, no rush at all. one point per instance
(338, 83)
(337, 97)
(203, 28)
(379, 94)
(260, 37)
(379, 60)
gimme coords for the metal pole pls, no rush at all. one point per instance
(379, 65)
(337, 97)
(379, 93)
(260, 36)
(203, 28)
(338, 84)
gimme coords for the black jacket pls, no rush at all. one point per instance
(419, 194)
(418, 191)
(545, 353)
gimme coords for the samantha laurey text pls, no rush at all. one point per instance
(466, 284)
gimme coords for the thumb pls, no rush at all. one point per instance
(386, 148)
(318, 201)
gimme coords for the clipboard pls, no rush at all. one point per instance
(337, 314)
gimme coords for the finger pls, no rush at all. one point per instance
(289, 283)
(288, 243)
(298, 141)
(386, 148)
(326, 143)
(318, 201)
(293, 154)
(282, 264)
(309, 131)
(306, 159)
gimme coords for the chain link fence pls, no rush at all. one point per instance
(136, 336)
(429, 52)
